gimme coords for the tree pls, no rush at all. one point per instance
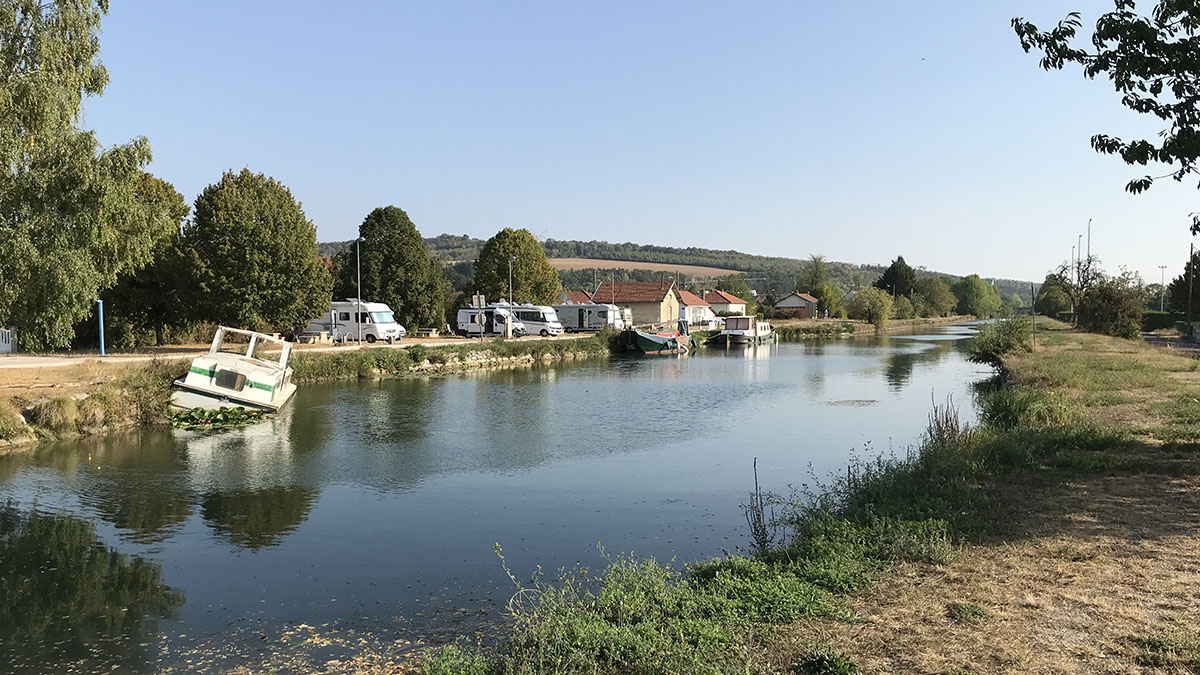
(1150, 58)
(152, 298)
(533, 279)
(1052, 300)
(871, 305)
(902, 308)
(253, 255)
(976, 297)
(1114, 306)
(814, 273)
(898, 279)
(1011, 303)
(936, 296)
(72, 217)
(830, 298)
(1177, 290)
(396, 269)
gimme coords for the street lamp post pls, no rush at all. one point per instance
(1089, 248)
(358, 263)
(1162, 288)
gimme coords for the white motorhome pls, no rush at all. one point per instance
(474, 322)
(344, 319)
(591, 316)
(538, 319)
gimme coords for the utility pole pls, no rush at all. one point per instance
(1191, 275)
(1079, 259)
(100, 311)
(1089, 248)
(1162, 287)
(358, 262)
(1074, 265)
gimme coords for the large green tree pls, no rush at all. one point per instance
(253, 255)
(936, 298)
(831, 298)
(72, 216)
(872, 305)
(1052, 299)
(396, 269)
(813, 273)
(898, 279)
(154, 297)
(533, 279)
(976, 297)
(1151, 59)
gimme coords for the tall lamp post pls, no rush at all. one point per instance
(1162, 288)
(358, 263)
(1089, 248)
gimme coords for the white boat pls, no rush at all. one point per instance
(251, 374)
(744, 330)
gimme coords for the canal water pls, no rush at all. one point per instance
(372, 509)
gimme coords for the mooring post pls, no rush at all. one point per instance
(100, 312)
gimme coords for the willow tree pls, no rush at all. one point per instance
(252, 256)
(533, 279)
(396, 269)
(73, 216)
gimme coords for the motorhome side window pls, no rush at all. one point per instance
(363, 317)
(343, 316)
(602, 314)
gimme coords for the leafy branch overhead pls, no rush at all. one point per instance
(1153, 61)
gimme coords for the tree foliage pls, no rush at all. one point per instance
(976, 297)
(1114, 306)
(935, 295)
(898, 279)
(814, 273)
(1052, 299)
(72, 217)
(831, 298)
(902, 308)
(533, 279)
(872, 305)
(252, 255)
(396, 269)
(1150, 58)
(1177, 289)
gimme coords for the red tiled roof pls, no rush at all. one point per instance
(634, 291)
(579, 296)
(806, 297)
(723, 298)
(691, 299)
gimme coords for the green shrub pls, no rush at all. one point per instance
(147, 388)
(417, 353)
(11, 422)
(59, 414)
(825, 660)
(1000, 338)
(1022, 407)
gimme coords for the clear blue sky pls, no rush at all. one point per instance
(856, 130)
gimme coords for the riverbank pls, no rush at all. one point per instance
(1058, 536)
(91, 397)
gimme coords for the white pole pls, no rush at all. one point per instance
(358, 261)
(1089, 248)
(1162, 288)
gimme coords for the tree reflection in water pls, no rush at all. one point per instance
(257, 518)
(66, 597)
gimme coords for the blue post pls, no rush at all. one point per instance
(100, 304)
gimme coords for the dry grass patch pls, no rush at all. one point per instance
(1091, 563)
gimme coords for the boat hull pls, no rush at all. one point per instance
(740, 340)
(649, 343)
(188, 397)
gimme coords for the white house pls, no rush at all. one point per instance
(720, 301)
(802, 305)
(694, 310)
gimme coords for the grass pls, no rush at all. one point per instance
(965, 612)
(1167, 650)
(58, 415)
(12, 425)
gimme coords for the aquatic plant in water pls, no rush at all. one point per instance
(221, 418)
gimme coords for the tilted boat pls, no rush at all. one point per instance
(674, 342)
(744, 330)
(254, 376)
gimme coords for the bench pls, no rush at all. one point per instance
(427, 332)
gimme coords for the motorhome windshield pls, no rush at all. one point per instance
(382, 317)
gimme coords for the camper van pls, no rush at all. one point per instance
(475, 322)
(536, 318)
(580, 318)
(343, 320)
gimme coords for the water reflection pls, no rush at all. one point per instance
(65, 596)
(257, 518)
(899, 365)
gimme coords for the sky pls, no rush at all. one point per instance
(860, 131)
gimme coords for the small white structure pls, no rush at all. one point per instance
(488, 321)
(538, 319)
(585, 317)
(344, 319)
(694, 310)
(8, 340)
(720, 301)
(253, 376)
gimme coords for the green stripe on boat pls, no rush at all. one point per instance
(260, 385)
(213, 373)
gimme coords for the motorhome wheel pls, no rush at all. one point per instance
(545, 333)
(370, 338)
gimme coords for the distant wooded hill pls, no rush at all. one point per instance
(765, 273)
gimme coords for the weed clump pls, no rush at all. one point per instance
(965, 612)
(59, 415)
(12, 424)
(825, 660)
(1013, 407)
